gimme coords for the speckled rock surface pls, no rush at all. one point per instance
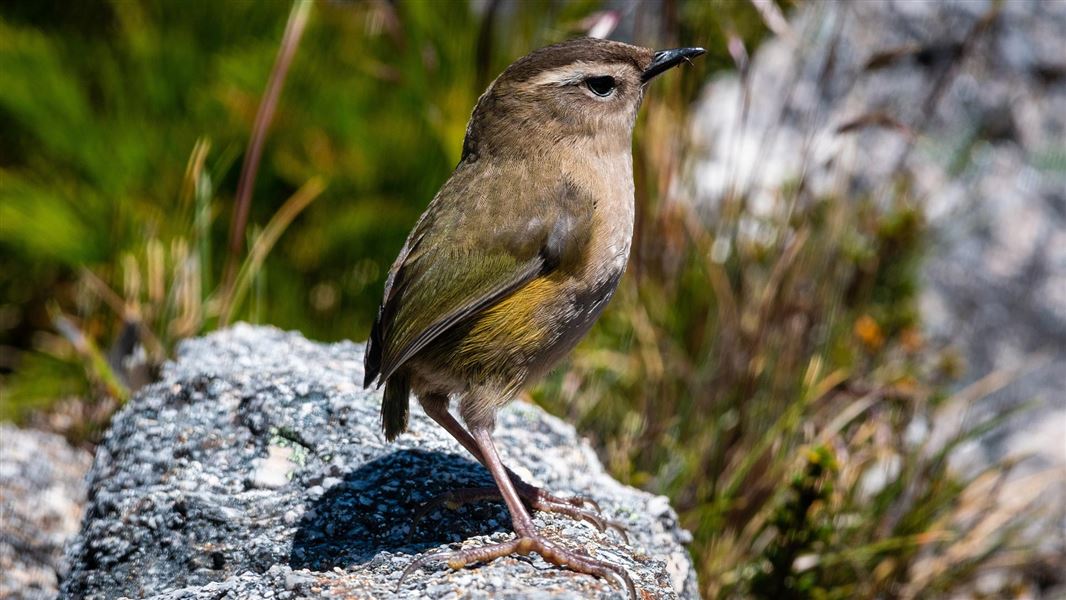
(256, 468)
(42, 490)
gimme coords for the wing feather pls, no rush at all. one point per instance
(442, 278)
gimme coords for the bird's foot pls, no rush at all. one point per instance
(532, 493)
(523, 545)
(534, 497)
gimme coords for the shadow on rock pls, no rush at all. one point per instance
(374, 507)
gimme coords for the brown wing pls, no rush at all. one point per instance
(458, 262)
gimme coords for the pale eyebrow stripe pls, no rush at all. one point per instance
(573, 73)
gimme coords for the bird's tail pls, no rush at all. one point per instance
(394, 405)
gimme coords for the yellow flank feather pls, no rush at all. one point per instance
(513, 325)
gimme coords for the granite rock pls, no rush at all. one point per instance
(42, 491)
(256, 468)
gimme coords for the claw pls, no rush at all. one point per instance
(589, 501)
(415, 565)
(597, 521)
(575, 561)
(578, 501)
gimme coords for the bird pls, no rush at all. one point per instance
(511, 263)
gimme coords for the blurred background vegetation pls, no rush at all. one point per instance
(124, 127)
(758, 387)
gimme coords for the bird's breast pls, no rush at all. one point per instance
(584, 292)
(610, 184)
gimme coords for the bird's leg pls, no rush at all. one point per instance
(535, 497)
(438, 411)
(527, 538)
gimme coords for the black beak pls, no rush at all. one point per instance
(667, 59)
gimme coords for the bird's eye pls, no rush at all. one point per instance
(601, 86)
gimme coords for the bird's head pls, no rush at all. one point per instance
(581, 89)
